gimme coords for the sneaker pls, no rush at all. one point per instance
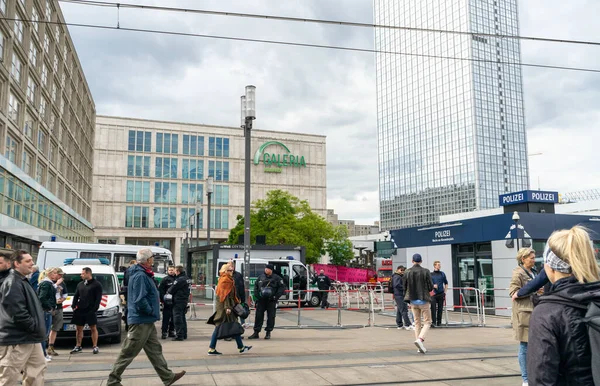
(163, 336)
(399, 327)
(420, 346)
(214, 352)
(51, 351)
(95, 350)
(245, 349)
(525, 383)
(409, 328)
(48, 358)
(76, 350)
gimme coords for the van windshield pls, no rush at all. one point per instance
(107, 281)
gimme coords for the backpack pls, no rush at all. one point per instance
(592, 318)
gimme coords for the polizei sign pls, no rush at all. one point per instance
(276, 156)
(528, 196)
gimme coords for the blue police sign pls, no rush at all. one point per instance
(528, 196)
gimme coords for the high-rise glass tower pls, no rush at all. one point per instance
(450, 116)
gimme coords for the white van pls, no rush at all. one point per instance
(110, 311)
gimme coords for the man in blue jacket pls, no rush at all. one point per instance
(143, 311)
(440, 286)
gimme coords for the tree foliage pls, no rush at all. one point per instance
(286, 220)
(339, 248)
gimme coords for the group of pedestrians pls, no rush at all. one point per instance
(552, 309)
(174, 291)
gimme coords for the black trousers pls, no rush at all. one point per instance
(437, 308)
(261, 307)
(324, 302)
(167, 319)
(179, 319)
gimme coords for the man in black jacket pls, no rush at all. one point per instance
(418, 287)
(4, 265)
(180, 292)
(167, 327)
(401, 308)
(267, 290)
(86, 302)
(22, 321)
(323, 283)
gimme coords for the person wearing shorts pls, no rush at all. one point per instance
(57, 317)
(86, 302)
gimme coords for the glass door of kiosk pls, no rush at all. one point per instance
(474, 270)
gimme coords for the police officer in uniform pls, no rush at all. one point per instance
(180, 292)
(267, 290)
(167, 327)
(323, 283)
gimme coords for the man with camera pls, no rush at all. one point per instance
(267, 290)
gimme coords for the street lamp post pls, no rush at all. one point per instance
(516, 219)
(198, 209)
(209, 191)
(248, 114)
(191, 221)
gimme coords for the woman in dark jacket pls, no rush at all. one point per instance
(559, 351)
(226, 299)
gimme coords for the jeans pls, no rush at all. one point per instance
(213, 340)
(401, 312)
(523, 360)
(48, 324)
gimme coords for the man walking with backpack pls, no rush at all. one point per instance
(418, 287)
(401, 307)
(440, 286)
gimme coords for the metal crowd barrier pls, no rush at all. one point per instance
(201, 296)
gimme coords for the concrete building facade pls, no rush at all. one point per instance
(150, 176)
(353, 228)
(47, 118)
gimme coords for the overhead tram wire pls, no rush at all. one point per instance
(306, 45)
(98, 3)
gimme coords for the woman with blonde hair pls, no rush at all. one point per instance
(522, 307)
(226, 299)
(560, 351)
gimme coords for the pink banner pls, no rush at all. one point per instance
(344, 274)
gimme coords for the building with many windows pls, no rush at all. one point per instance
(450, 116)
(47, 118)
(150, 177)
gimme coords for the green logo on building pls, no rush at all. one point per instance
(275, 161)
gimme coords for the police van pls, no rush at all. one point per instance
(294, 273)
(110, 311)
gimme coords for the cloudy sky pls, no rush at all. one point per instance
(329, 92)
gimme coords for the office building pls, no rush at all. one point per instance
(47, 118)
(150, 176)
(450, 116)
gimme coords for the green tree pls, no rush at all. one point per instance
(285, 219)
(339, 248)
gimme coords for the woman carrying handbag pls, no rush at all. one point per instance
(225, 319)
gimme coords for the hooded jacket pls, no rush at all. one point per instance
(559, 351)
(180, 289)
(398, 284)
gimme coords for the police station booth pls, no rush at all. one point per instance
(478, 249)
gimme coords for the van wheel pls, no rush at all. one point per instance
(315, 300)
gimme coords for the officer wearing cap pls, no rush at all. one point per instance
(267, 290)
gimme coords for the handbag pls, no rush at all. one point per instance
(266, 292)
(229, 330)
(241, 310)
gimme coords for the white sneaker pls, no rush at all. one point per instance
(420, 346)
(409, 328)
(48, 358)
(525, 383)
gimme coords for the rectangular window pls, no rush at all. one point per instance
(3, 6)
(28, 127)
(167, 143)
(41, 141)
(165, 192)
(31, 87)
(218, 147)
(165, 218)
(193, 145)
(48, 10)
(219, 218)
(226, 147)
(19, 28)
(221, 195)
(26, 163)
(13, 107)
(138, 191)
(138, 166)
(33, 51)
(46, 44)
(16, 68)
(139, 141)
(219, 170)
(1, 45)
(50, 182)
(211, 146)
(10, 152)
(186, 213)
(45, 74)
(51, 152)
(39, 173)
(35, 18)
(136, 217)
(166, 167)
(191, 193)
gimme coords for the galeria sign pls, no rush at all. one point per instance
(278, 157)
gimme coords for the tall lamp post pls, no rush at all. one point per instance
(248, 114)
(516, 219)
(209, 191)
(198, 210)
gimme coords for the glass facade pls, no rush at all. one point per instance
(139, 141)
(451, 132)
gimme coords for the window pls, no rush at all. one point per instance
(219, 218)
(28, 127)
(136, 216)
(165, 192)
(193, 145)
(13, 107)
(219, 170)
(26, 162)
(16, 68)
(33, 52)
(51, 152)
(218, 147)
(221, 195)
(45, 74)
(55, 63)
(167, 143)
(50, 182)
(3, 6)
(31, 87)
(166, 167)
(190, 193)
(165, 218)
(39, 172)
(47, 44)
(1, 45)
(138, 166)
(10, 152)
(19, 28)
(48, 10)
(186, 213)
(43, 104)
(41, 144)
(138, 191)
(192, 169)
(139, 141)
(35, 18)
(54, 89)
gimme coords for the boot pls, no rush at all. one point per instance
(254, 336)
(268, 336)
(163, 336)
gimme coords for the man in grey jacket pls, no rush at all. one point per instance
(418, 287)
(22, 321)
